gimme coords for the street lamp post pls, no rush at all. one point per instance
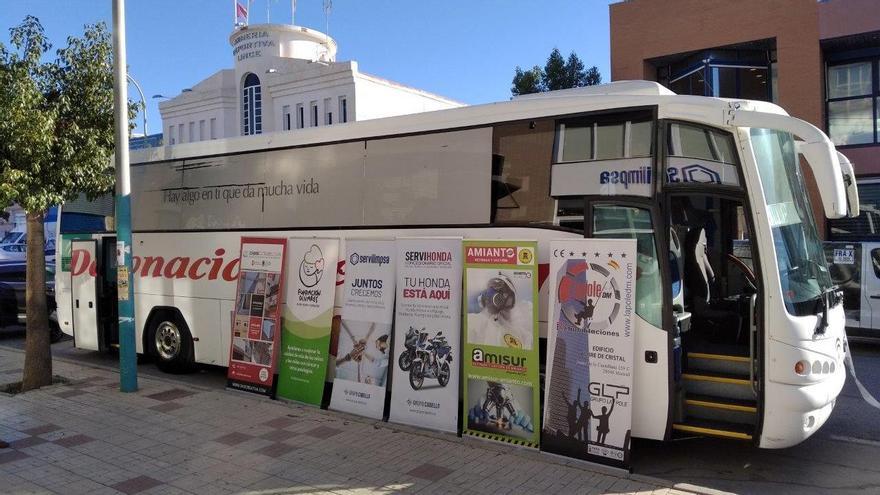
(127, 350)
(143, 101)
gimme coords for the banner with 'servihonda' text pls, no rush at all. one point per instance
(427, 341)
(308, 314)
(588, 394)
(257, 315)
(365, 336)
(501, 356)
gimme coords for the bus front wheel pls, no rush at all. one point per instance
(171, 344)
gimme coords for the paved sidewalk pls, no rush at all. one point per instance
(170, 438)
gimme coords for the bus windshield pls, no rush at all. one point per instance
(803, 273)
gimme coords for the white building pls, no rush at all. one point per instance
(285, 78)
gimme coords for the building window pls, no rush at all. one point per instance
(300, 116)
(328, 111)
(201, 130)
(723, 73)
(213, 128)
(171, 139)
(285, 117)
(180, 133)
(252, 105)
(852, 103)
(313, 111)
(192, 132)
(343, 109)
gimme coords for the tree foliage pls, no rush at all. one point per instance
(56, 140)
(557, 73)
(56, 134)
(526, 82)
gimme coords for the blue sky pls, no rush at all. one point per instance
(462, 49)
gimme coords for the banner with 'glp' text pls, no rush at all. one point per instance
(308, 314)
(589, 383)
(257, 315)
(365, 337)
(427, 343)
(501, 356)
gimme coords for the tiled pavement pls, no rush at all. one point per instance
(168, 438)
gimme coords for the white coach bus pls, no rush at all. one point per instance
(740, 332)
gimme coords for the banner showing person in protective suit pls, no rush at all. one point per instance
(501, 361)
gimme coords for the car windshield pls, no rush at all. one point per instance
(803, 273)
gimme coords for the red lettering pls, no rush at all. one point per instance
(218, 264)
(180, 271)
(194, 268)
(135, 264)
(79, 261)
(149, 261)
(230, 273)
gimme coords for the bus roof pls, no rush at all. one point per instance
(622, 94)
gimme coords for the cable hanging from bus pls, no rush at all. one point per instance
(739, 330)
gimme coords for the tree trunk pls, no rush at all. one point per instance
(38, 352)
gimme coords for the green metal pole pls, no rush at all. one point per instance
(127, 349)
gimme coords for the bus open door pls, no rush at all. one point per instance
(93, 296)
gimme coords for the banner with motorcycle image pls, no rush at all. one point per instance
(308, 314)
(257, 315)
(428, 336)
(590, 342)
(365, 336)
(501, 384)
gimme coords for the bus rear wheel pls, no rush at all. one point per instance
(171, 344)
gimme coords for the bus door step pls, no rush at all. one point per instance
(718, 429)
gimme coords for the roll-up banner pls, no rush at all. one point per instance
(365, 338)
(588, 393)
(427, 341)
(501, 360)
(257, 316)
(308, 313)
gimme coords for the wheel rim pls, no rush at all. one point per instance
(168, 340)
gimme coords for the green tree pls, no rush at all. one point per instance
(557, 73)
(592, 77)
(56, 140)
(526, 82)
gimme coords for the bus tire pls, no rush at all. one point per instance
(170, 343)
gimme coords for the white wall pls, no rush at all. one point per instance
(377, 98)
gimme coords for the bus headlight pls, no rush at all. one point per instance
(802, 368)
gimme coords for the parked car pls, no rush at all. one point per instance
(13, 301)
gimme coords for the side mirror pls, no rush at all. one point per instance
(849, 182)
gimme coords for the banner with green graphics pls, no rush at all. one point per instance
(308, 314)
(501, 355)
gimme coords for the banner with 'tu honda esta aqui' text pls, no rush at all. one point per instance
(365, 339)
(588, 394)
(501, 356)
(427, 342)
(256, 318)
(308, 314)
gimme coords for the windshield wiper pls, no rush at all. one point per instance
(825, 301)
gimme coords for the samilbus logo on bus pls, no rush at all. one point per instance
(178, 267)
(641, 175)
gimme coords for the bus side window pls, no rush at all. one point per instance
(627, 222)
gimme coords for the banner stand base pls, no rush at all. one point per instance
(594, 466)
(501, 445)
